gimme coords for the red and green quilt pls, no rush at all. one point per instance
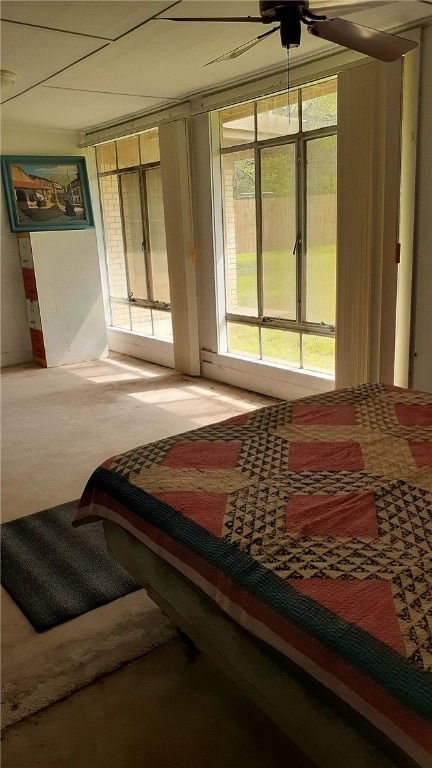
(310, 524)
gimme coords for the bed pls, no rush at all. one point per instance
(293, 543)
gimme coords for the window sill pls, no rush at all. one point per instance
(273, 380)
(146, 348)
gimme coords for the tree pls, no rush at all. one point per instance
(278, 170)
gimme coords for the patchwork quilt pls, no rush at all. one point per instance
(310, 524)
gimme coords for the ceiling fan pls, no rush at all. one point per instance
(291, 14)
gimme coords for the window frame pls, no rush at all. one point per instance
(147, 303)
(299, 139)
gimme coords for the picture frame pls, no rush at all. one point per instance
(46, 193)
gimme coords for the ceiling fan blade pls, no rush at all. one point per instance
(242, 48)
(379, 45)
(243, 19)
(331, 9)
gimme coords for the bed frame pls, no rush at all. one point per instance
(327, 730)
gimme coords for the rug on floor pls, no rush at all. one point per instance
(39, 669)
(54, 572)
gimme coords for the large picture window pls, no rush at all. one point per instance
(278, 178)
(134, 228)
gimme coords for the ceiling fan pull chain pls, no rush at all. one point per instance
(288, 85)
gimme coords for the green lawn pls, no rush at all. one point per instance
(280, 281)
(279, 298)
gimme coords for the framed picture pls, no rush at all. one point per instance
(46, 193)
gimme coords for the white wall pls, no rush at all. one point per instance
(421, 347)
(15, 345)
(15, 337)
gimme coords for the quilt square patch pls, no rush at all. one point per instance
(413, 414)
(203, 454)
(333, 414)
(206, 509)
(342, 514)
(320, 456)
(367, 604)
(421, 451)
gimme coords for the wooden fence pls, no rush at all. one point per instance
(279, 230)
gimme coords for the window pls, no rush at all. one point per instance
(278, 178)
(134, 227)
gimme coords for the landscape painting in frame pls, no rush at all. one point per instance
(46, 193)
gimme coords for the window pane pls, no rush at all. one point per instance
(238, 191)
(127, 152)
(276, 116)
(237, 125)
(319, 105)
(321, 204)
(106, 157)
(162, 325)
(278, 180)
(282, 347)
(133, 233)
(156, 230)
(120, 317)
(113, 236)
(149, 146)
(243, 340)
(141, 320)
(318, 353)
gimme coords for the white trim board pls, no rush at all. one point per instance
(142, 347)
(265, 379)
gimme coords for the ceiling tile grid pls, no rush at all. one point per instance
(73, 81)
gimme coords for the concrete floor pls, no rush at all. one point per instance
(63, 422)
(159, 711)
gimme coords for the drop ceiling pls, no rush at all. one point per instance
(86, 63)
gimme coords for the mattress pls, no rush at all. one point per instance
(309, 523)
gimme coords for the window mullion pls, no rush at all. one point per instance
(146, 237)
(300, 250)
(258, 215)
(125, 251)
(299, 227)
(300, 198)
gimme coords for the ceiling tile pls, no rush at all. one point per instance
(109, 19)
(35, 54)
(158, 61)
(72, 110)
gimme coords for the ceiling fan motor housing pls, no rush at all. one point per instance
(288, 14)
(272, 10)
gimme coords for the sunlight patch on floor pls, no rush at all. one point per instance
(168, 395)
(111, 367)
(113, 377)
